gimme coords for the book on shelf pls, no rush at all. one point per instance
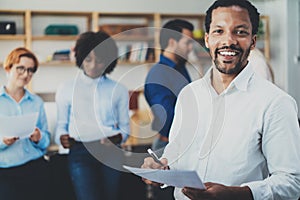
(137, 52)
(62, 55)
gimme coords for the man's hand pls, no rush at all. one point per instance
(36, 135)
(115, 139)
(66, 141)
(10, 141)
(215, 191)
(149, 163)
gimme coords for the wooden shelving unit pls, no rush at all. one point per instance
(29, 21)
(30, 34)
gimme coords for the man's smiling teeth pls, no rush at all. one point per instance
(228, 53)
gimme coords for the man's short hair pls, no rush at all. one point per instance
(172, 29)
(253, 13)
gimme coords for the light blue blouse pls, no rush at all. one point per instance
(23, 150)
(90, 108)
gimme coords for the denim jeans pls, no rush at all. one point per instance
(92, 179)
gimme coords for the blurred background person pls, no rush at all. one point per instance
(260, 65)
(23, 170)
(164, 82)
(88, 107)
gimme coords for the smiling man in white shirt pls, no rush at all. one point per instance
(237, 130)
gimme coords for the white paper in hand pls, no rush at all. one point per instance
(176, 178)
(18, 126)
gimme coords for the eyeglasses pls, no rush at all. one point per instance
(22, 69)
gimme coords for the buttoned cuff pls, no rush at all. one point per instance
(44, 142)
(260, 190)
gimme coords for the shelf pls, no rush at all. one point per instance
(61, 13)
(12, 12)
(31, 23)
(188, 16)
(55, 37)
(123, 37)
(58, 63)
(135, 63)
(12, 37)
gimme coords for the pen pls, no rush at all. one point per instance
(154, 156)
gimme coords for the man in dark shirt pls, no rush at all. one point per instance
(164, 82)
(167, 77)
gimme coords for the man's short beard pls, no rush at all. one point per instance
(237, 68)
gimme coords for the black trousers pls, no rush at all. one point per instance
(29, 181)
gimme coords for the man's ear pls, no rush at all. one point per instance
(172, 42)
(206, 40)
(253, 42)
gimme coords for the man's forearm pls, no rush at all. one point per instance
(243, 193)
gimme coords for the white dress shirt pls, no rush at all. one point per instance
(247, 135)
(100, 105)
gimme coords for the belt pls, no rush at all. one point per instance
(163, 138)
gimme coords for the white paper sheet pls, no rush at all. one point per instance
(88, 131)
(18, 126)
(176, 178)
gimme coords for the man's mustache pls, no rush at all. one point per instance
(231, 47)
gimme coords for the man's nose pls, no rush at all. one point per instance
(229, 39)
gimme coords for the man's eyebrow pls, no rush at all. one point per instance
(217, 26)
(239, 26)
(243, 26)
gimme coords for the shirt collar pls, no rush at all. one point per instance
(88, 80)
(166, 61)
(240, 82)
(27, 94)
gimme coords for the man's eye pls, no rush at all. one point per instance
(242, 32)
(218, 31)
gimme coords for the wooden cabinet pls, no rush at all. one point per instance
(144, 32)
(133, 34)
(138, 48)
(11, 41)
(45, 45)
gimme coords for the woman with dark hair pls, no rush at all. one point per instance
(23, 170)
(93, 119)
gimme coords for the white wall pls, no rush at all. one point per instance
(293, 46)
(277, 10)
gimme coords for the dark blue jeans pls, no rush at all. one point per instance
(93, 180)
